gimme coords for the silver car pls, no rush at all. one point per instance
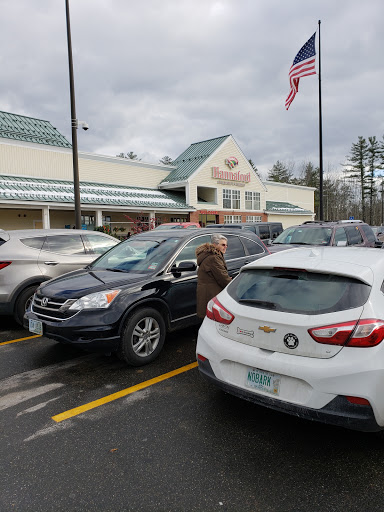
(29, 257)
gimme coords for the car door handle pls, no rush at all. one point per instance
(51, 263)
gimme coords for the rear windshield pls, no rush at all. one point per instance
(296, 291)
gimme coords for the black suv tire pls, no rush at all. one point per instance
(142, 338)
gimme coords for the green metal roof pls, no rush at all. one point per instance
(42, 190)
(192, 158)
(29, 129)
(281, 207)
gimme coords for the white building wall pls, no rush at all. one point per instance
(294, 194)
(204, 178)
(41, 161)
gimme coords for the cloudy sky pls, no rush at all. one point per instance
(154, 76)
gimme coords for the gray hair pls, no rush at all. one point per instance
(216, 237)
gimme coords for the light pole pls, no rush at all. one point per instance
(75, 157)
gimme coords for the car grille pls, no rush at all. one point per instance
(52, 309)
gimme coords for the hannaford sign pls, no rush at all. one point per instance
(231, 161)
(230, 175)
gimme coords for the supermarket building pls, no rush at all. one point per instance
(210, 182)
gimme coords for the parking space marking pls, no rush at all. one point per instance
(20, 339)
(119, 394)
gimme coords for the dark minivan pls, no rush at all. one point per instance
(264, 230)
(129, 298)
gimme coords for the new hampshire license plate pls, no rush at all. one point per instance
(263, 381)
(35, 326)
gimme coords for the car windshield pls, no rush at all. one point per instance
(298, 291)
(305, 236)
(137, 256)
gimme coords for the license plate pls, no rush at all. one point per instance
(263, 381)
(35, 326)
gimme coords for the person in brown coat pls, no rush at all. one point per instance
(212, 275)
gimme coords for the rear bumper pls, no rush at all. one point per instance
(338, 412)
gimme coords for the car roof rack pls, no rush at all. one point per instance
(316, 222)
(349, 221)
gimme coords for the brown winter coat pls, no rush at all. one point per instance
(212, 275)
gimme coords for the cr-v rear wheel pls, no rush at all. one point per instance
(143, 337)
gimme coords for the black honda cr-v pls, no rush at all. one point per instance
(129, 298)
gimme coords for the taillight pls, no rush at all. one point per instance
(369, 333)
(218, 313)
(335, 334)
(365, 333)
(4, 264)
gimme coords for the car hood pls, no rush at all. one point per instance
(85, 281)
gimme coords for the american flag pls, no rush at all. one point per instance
(303, 65)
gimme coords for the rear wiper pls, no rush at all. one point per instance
(262, 303)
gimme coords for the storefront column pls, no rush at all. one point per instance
(45, 217)
(152, 220)
(98, 217)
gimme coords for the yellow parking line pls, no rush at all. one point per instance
(124, 392)
(20, 339)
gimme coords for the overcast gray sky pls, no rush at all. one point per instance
(157, 75)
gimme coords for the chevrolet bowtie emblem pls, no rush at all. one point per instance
(265, 328)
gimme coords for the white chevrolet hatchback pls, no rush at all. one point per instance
(301, 332)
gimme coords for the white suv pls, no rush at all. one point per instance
(29, 257)
(301, 331)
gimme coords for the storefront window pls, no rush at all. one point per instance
(89, 221)
(252, 200)
(231, 199)
(232, 219)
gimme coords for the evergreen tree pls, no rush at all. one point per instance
(374, 164)
(357, 161)
(254, 167)
(280, 173)
(166, 160)
(129, 156)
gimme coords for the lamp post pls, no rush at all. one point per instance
(75, 157)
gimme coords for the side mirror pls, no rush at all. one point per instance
(378, 243)
(184, 266)
(187, 266)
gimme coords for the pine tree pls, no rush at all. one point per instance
(374, 164)
(166, 160)
(280, 173)
(357, 161)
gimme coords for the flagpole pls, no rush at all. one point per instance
(321, 212)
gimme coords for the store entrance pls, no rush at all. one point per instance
(207, 219)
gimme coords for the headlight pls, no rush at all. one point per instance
(99, 300)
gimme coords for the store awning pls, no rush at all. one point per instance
(56, 191)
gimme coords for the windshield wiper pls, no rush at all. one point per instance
(117, 270)
(262, 303)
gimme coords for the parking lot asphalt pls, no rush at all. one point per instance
(166, 441)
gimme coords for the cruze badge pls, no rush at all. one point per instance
(244, 332)
(44, 301)
(291, 340)
(267, 329)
